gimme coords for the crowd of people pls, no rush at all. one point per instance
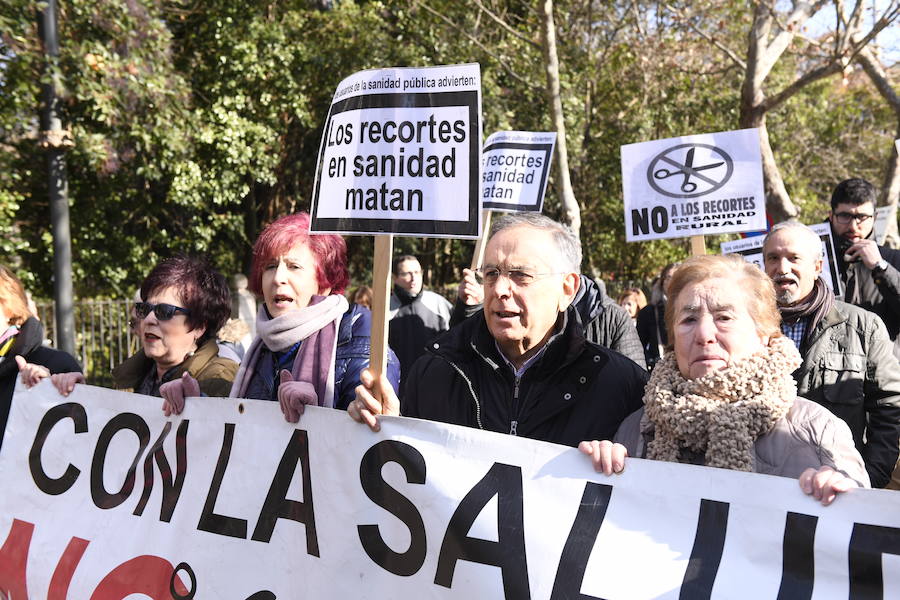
(727, 365)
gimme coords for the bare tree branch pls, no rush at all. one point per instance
(725, 49)
(505, 25)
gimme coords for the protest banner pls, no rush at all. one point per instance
(515, 168)
(104, 498)
(400, 154)
(751, 249)
(693, 185)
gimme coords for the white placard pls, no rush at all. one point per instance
(693, 185)
(104, 498)
(401, 154)
(751, 250)
(881, 220)
(515, 166)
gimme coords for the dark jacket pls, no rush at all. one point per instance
(651, 329)
(415, 321)
(878, 292)
(575, 391)
(605, 322)
(352, 355)
(29, 344)
(848, 367)
(212, 372)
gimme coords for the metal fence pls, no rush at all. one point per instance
(102, 336)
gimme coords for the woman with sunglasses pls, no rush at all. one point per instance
(184, 303)
(310, 345)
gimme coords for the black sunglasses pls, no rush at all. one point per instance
(163, 311)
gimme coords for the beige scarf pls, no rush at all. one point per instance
(723, 413)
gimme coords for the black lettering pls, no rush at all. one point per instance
(413, 464)
(209, 520)
(706, 554)
(124, 421)
(659, 219)
(640, 222)
(582, 536)
(277, 506)
(45, 483)
(867, 544)
(171, 491)
(460, 128)
(798, 564)
(508, 552)
(444, 131)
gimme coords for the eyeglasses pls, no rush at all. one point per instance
(163, 311)
(517, 277)
(845, 217)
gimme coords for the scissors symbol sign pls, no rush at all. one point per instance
(693, 181)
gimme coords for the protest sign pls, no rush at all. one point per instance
(104, 497)
(693, 185)
(751, 249)
(515, 167)
(401, 154)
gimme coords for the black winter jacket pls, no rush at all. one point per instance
(28, 344)
(576, 391)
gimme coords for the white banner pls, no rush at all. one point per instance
(103, 497)
(400, 153)
(514, 171)
(693, 185)
(751, 250)
(881, 220)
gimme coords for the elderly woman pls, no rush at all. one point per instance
(21, 345)
(633, 300)
(309, 349)
(184, 303)
(725, 397)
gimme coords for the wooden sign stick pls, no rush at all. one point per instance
(478, 256)
(698, 245)
(381, 297)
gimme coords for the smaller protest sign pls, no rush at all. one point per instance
(693, 185)
(882, 214)
(514, 170)
(751, 250)
(401, 154)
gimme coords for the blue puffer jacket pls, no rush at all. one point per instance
(352, 356)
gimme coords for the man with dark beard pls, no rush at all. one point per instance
(848, 365)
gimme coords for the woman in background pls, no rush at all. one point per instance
(633, 300)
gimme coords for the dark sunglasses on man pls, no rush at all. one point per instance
(163, 311)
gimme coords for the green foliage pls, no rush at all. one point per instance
(197, 123)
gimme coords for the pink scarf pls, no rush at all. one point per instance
(316, 326)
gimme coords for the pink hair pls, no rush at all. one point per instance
(283, 234)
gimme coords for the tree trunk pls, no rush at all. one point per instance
(551, 67)
(778, 203)
(890, 188)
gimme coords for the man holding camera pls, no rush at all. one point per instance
(870, 273)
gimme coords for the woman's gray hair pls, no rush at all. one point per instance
(568, 246)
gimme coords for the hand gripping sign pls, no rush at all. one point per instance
(400, 154)
(693, 185)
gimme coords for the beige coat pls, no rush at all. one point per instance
(808, 436)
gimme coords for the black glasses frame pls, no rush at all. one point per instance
(163, 311)
(845, 217)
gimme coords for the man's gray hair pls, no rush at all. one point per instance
(568, 246)
(810, 237)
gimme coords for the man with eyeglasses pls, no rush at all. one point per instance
(521, 366)
(870, 273)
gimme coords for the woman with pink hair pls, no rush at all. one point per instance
(311, 345)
